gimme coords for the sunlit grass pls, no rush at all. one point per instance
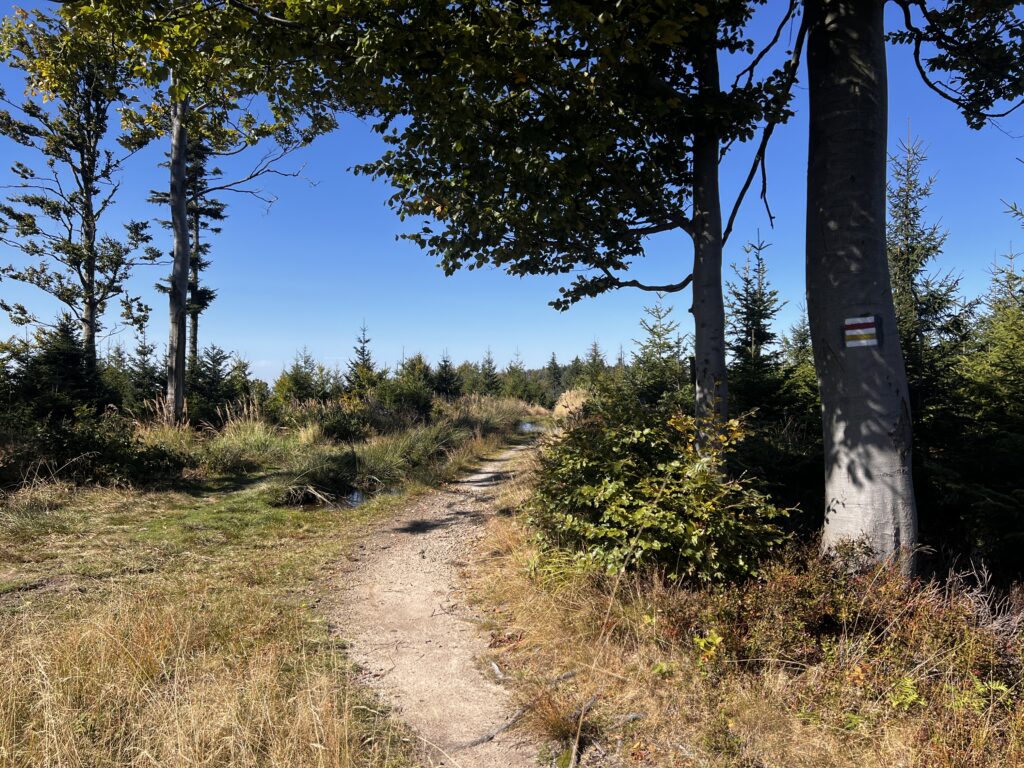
(814, 664)
(177, 627)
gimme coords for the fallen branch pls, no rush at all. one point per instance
(516, 717)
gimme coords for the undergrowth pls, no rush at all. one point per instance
(813, 662)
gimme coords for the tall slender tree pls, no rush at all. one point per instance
(55, 217)
(865, 403)
(206, 62)
(865, 400)
(204, 213)
(608, 128)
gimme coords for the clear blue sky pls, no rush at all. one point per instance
(324, 258)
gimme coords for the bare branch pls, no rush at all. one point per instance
(751, 68)
(668, 288)
(769, 129)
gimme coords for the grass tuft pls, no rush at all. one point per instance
(186, 676)
(35, 510)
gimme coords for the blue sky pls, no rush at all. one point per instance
(324, 258)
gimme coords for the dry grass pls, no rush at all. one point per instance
(178, 628)
(812, 666)
(182, 678)
(568, 403)
(174, 629)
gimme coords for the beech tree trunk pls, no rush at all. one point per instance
(869, 492)
(711, 383)
(178, 293)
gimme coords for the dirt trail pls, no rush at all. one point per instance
(397, 603)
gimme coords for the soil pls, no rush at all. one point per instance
(397, 603)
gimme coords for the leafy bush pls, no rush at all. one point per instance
(628, 484)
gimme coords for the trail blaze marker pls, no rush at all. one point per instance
(861, 331)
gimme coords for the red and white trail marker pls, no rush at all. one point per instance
(861, 331)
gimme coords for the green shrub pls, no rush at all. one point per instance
(627, 484)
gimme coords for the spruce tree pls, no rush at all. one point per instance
(594, 366)
(800, 382)
(489, 381)
(659, 368)
(995, 367)
(469, 373)
(411, 390)
(933, 321)
(515, 382)
(447, 381)
(573, 374)
(756, 374)
(362, 375)
(552, 381)
(147, 372)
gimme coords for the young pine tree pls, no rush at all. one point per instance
(800, 382)
(552, 381)
(659, 369)
(594, 366)
(147, 372)
(933, 322)
(489, 381)
(515, 381)
(995, 368)
(756, 373)
(362, 375)
(447, 381)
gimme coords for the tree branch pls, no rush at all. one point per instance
(750, 69)
(668, 288)
(769, 129)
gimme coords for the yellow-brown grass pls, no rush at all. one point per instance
(168, 629)
(569, 402)
(173, 628)
(182, 677)
(741, 676)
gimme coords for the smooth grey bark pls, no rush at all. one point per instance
(178, 293)
(711, 383)
(869, 492)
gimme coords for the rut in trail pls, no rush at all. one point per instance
(397, 603)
